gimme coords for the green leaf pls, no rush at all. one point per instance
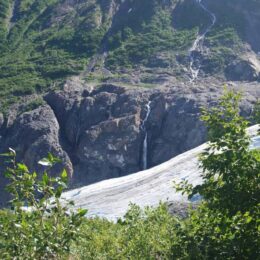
(45, 178)
(58, 192)
(82, 212)
(6, 154)
(22, 167)
(64, 176)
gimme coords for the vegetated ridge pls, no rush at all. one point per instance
(140, 43)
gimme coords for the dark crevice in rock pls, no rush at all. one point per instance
(3, 124)
(63, 141)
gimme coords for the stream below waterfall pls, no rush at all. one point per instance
(197, 46)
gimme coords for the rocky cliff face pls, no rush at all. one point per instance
(122, 55)
(98, 133)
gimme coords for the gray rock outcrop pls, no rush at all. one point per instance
(243, 70)
(33, 135)
(101, 130)
(98, 134)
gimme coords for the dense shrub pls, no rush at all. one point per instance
(226, 225)
(142, 234)
(38, 225)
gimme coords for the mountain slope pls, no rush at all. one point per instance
(77, 76)
(137, 42)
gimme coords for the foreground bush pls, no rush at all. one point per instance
(143, 234)
(38, 225)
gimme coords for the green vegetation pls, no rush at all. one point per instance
(224, 46)
(39, 46)
(147, 234)
(154, 38)
(44, 42)
(225, 225)
(46, 229)
(227, 222)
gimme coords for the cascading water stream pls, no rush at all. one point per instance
(145, 142)
(198, 43)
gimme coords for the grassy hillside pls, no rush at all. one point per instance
(43, 42)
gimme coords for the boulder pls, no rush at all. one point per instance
(180, 129)
(243, 70)
(109, 149)
(33, 135)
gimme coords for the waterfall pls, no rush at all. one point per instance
(198, 43)
(145, 142)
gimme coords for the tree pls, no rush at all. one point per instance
(226, 224)
(39, 224)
